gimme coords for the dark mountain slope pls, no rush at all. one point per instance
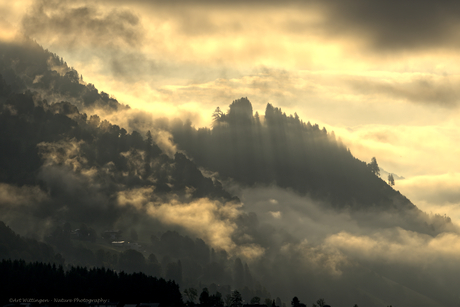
(49, 144)
(26, 65)
(284, 150)
(43, 284)
(274, 148)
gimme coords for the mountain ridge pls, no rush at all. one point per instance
(299, 184)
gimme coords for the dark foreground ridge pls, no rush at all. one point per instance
(78, 286)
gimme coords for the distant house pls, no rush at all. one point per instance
(119, 244)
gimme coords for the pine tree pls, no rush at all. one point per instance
(391, 180)
(374, 167)
(217, 116)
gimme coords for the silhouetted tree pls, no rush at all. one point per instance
(236, 300)
(191, 294)
(255, 300)
(374, 167)
(204, 297)
(391, 180)
(217, 116)
(295, 302)
(21, 279)
(215, 300)
(320, 302)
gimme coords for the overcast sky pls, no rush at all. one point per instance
(383, 75)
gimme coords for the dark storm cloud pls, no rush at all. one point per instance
(394, 24)
(384, 25)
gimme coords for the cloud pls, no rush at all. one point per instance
(381, 254)
(435, 189)
(8, 32)
(210, 220)
(64, 152)
(316, 257)
(429, 89)
(14, 196)
(380, 26)
(142, 121)
(399, 246)
(79, 24)
(298, 218)
(437, 194)
(396, 26)
(114, 36)
(408, 150)
(189, 57)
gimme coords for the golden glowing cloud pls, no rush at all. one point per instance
(204, 218)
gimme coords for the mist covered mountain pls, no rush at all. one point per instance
(284, 151)
(266, 204)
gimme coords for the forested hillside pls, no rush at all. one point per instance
(38, 134)
(284, 150)
(26, 65)
(266, 204)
